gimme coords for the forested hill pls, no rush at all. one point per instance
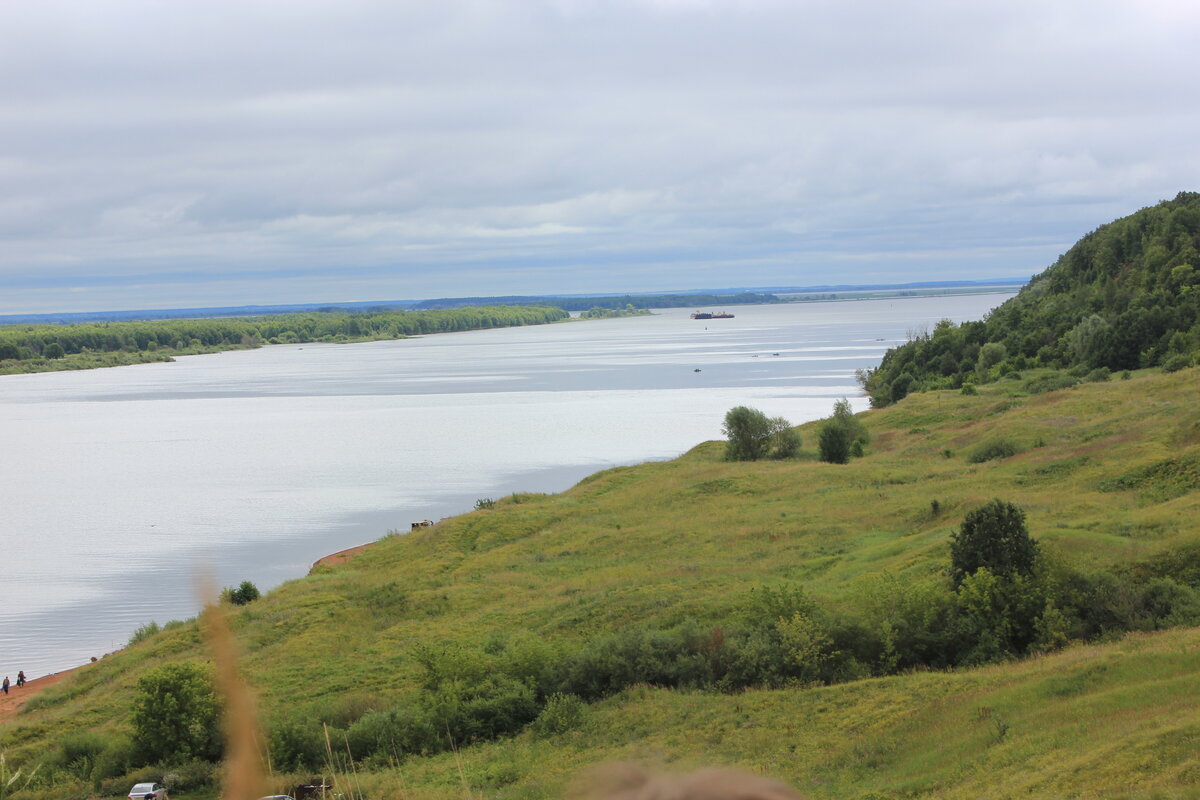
(1127, 295)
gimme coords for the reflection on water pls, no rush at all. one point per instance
(118, 485)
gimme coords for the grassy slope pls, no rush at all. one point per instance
(688, 538)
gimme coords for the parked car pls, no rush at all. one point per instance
(148, 791)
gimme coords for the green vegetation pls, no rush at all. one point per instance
(40, 348)
(1126, 296)
(751, 436)
(843, 435)
(598, 312)
(768, 614)
(245, 592)
(174, 715)
(992, 537)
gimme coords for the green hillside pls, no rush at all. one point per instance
(781, 615)
(1127, 295)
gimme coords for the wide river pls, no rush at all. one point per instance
(119, 486)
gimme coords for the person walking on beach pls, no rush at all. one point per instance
(6, 684)
(21, 678)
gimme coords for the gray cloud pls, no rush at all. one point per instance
(174, 154)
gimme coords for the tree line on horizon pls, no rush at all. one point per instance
(38, 346)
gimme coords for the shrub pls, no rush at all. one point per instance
(484, 502)
(753, 436)
(562, 713)
(834, 442)
(144, 632)
(969, 389)
(990, 355)
(78, 752)
(175, 715)
(994, 537)
(245, 593)
(1176, 362)
(900, 387)
(992, 450)
(113, 761)
(297, 745)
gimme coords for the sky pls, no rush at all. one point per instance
(178, 153)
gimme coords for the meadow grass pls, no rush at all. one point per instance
(689, 539)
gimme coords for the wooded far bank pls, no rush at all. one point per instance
(46, 348)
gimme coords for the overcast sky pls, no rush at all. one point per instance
(182, 153)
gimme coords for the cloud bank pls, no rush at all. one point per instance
(181, 154)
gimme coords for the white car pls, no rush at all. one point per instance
(148, 791)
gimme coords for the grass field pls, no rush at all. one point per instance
(1106, 473)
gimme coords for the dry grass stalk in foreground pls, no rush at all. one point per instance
(243, 779)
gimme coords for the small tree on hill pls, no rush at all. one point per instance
(992, 536)
(842, 435)
(752, 436)
(175, 715)
(834, 443)
(246, 592)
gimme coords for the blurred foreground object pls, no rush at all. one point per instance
(630, 782)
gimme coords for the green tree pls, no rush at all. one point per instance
(246, 592)
(992, 536)
(845, 416)
(748, 431)
(175, 715)
(752, 435)
(834, 442)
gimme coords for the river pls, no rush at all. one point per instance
(119, 486)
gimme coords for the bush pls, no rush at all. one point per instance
(900, 387)
(484, 503)
(144, 632)
(78, 753)
(992, 450)
(753, 436)
(834, 443)
(175, 715)
(297, 745)
(969, 389)
(1050, 383)
(1176, 362)
(113, 761)
(1099, 375)
(245, 593)
(562, 713)
(994, 537)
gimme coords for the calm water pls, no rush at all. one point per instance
(118, 486)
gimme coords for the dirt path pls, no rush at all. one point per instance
(17, 696)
